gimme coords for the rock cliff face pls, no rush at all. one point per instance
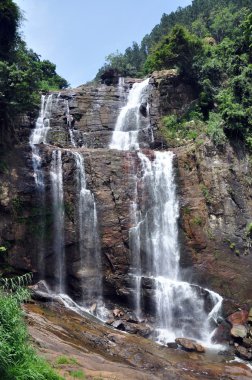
(215, 196)
(214, 188)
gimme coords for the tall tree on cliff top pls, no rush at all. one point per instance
(10, 17)
(22, 74)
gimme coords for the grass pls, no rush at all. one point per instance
(197, 221)
(249, 229)
(205, 192)
(66, 360)
(79, 374)
(18, 360)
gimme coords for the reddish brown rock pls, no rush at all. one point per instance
(238, 318)
(190, 345)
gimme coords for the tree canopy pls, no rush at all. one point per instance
(210, 43)
(22, 73)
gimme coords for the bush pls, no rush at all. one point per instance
(215, 129)
(18, 360)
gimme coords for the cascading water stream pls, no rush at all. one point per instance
(38, 136)
(89, 269)
(69, 119)
(89, 247)
(56, 174)
(180, 309)
(125, 136)
(121, 83)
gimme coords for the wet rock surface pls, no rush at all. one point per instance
(110, 354)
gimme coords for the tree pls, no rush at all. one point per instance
(177, 49)
(10, 17)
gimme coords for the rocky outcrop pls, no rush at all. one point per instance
(170, 95)
(215, 198)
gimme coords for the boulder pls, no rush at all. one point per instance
(172, 345)
(131, 318)
(222, 333)
(190, 345)
(247, 342)
(144, 330)
(132, 328)
(239, 331)
(41, 292)
(93, 308)
(119, 324)
(238, 318)
(243, 353)
(110, 322)
(250, 315)
(117, 313)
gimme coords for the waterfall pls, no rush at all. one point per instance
(121, 83)
(180, 307)
(89, 264)
(89, 247)
(69, 119)
(38, 136)
(56, 175)
(125, 136)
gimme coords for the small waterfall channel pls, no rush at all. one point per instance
(88, 255)
(180, 309)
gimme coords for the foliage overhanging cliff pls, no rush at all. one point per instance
(22, 73)
(212, 51)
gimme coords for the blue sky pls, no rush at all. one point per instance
(77, 35)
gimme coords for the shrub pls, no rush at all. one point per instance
(79, 374)
(18, 360)
(66, 360)
(215, 129)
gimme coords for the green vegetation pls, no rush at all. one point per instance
(232, 246)
(178, 49)
(18, 360)
(249, 229)
(79, 374)
(206, 193)
(22, 73)
(66, 360)
(197, 221)
(210, 44)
